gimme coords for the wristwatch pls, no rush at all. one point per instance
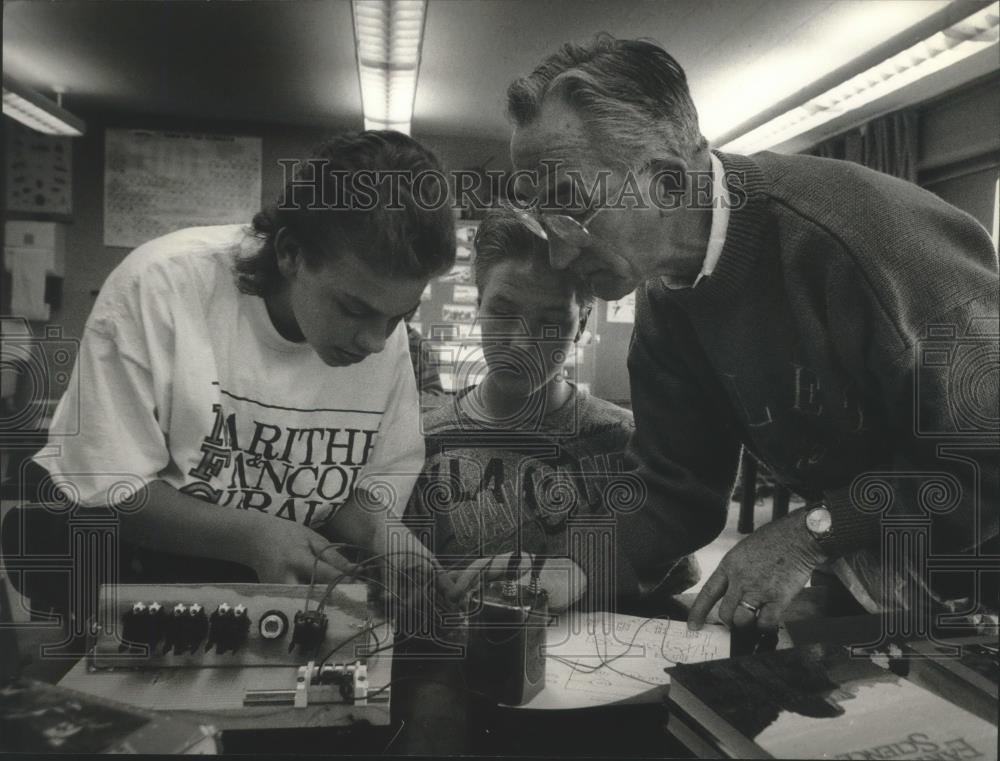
(819, 523)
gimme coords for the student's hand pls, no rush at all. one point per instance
(765, 570)
(363, 521)
(422, 578)
(284, 552)
(562, 578)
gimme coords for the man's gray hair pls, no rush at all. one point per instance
(632, 94)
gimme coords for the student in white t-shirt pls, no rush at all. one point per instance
(249, 388)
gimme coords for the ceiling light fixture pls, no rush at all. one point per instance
(939, 51)
(388, 35)
(36, 111)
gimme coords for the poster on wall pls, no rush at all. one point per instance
(465, 294)
(460, 273)
(39, 172)
(157, 182)
(458, 313)
(622, 310)
(465, 236)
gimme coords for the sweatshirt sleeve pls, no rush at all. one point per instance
(683, 451)
(932, 353)
(940, 394)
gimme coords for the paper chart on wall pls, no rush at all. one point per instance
(158, 182)
(635, 650)
(622, 310)
(39, 172)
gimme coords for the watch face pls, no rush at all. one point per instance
(818, 521)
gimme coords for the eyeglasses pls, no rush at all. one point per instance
(564, 227)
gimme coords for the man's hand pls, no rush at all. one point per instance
(563, 579)
(285, 552)
(765, 570)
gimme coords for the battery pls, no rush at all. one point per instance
(505, 656)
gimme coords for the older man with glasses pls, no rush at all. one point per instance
(783, 303)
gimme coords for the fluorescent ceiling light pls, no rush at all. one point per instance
(939, 51)
(388, 35)
(36, 111)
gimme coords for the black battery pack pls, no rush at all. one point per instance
(506, 655)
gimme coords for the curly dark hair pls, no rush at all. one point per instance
(378, 194)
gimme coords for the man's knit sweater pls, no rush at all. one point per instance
(848, 331)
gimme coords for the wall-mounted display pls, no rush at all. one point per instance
(39, 171)
(465, 235)
(622, 310)
(460, 273)
(157, 182)
(465, 294)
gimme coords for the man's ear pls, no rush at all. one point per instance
(287, 252)
(668, 184)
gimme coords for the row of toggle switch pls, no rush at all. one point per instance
(183, 628)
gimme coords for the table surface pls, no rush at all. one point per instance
(427, 713)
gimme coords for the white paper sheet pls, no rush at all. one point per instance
(635, 652)
(622, 310)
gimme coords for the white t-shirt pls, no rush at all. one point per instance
(181, 377)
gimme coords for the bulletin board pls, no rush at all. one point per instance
(622, 310)
(157, 182)
(39, 170)
(447, 315)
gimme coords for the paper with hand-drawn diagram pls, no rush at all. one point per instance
(602, 658)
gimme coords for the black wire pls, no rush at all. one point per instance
(353, 571)
(378, 642)
(379, 647)
(605, 661)
(333, 584)
(312, 578)
(390, 644)
(349, 640)
(636, 678)
(381, 584)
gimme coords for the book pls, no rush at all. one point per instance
(977, 663)
(36, 717)
(819, 701)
